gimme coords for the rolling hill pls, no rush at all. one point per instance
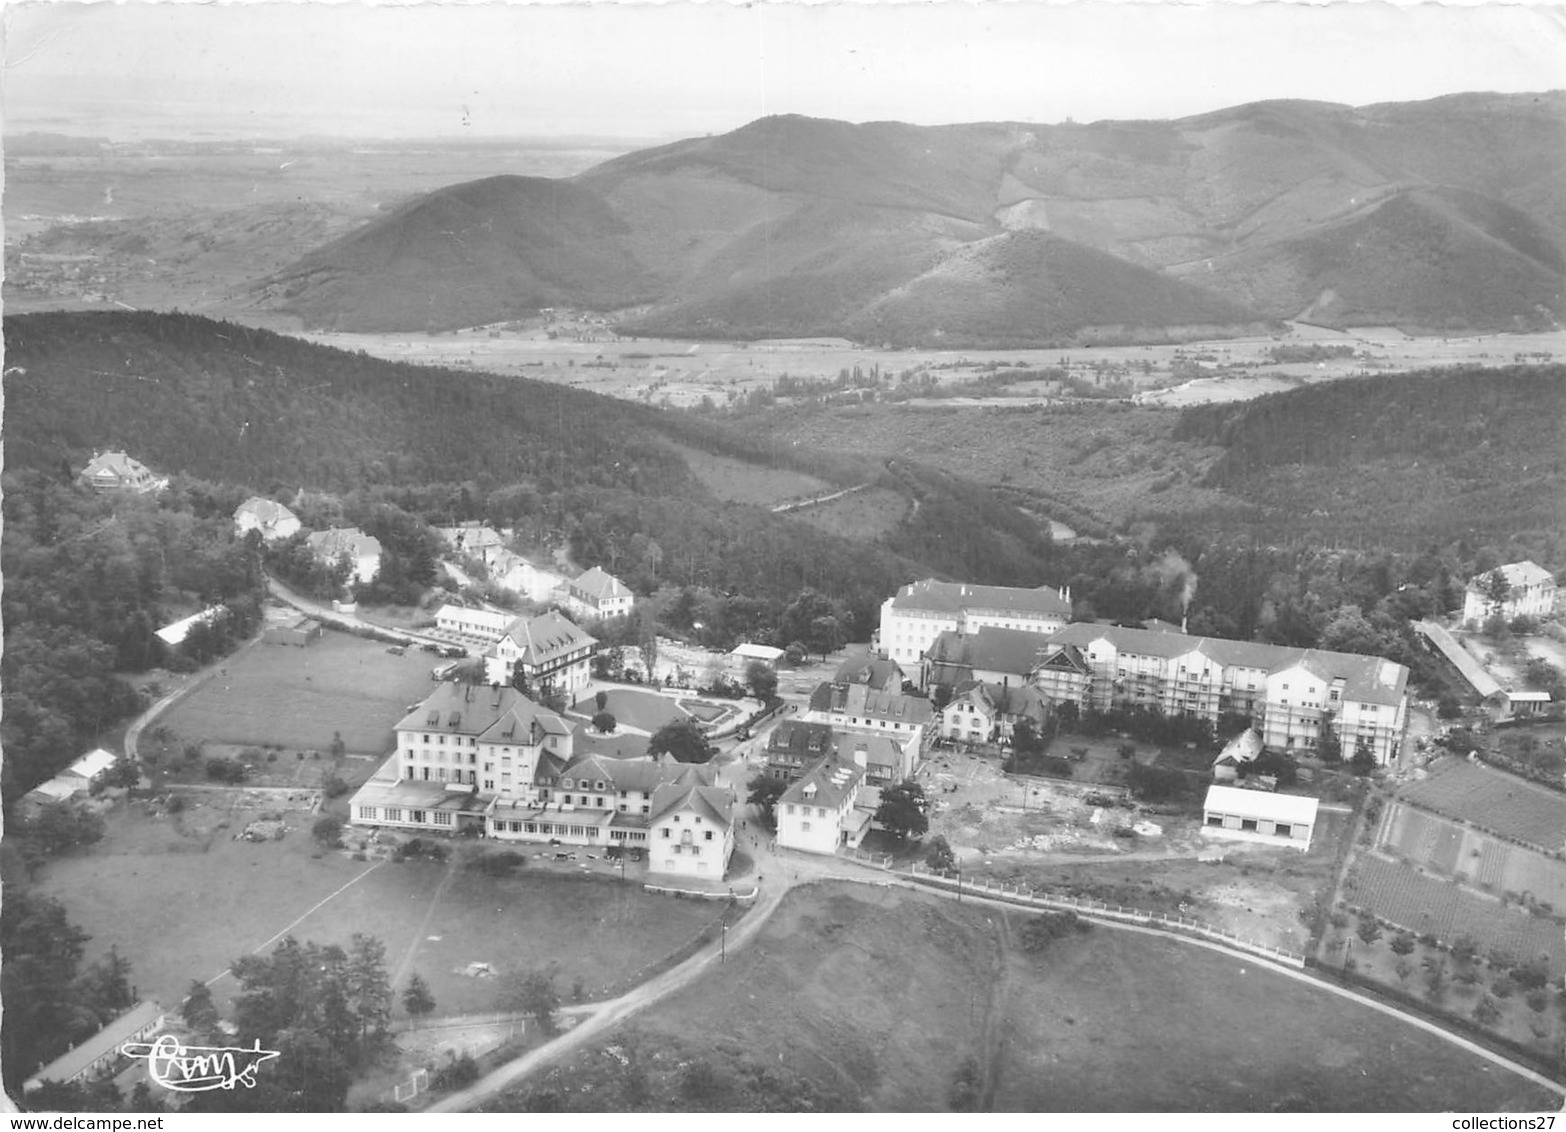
(1444, 215)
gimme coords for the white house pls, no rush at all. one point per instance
(73, 780)
(487, 625)
(474, 539)
(817, 814)
(512, 572)
(986, 713)
(271, 518)
(1258, 816)
(363, 551)
(596, 594)
(173, 634)
(692, 830)
(115, 471)
(1531, 593)
(920, 612)
(552, 655)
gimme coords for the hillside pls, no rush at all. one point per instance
(238, 406)
(1447, 215)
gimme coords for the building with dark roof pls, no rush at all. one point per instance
(990, 655)
(551, 654)
(981, 712)
(795, 744)
(858, 707)
(597, 593)
(817, 813)
(876, 672)
(691, 831)
(1291, 695)
(99, 1054)
(918, 613)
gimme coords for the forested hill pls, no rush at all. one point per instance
(248, 407)
(1409, 458)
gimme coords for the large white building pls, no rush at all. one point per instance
(920, 612)
(595, 594)
(817, 813)
(1259, 816)
(1291, 695)
(553, 656)
(271, 518)
(1530, 593)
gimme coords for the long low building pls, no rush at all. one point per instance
(1259, 816)
(100, 1053)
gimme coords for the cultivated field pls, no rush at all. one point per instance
(1493, 800)
(181, 900)
(812, 1013)
(298, 698)
(1498, 867)
(1401, 894)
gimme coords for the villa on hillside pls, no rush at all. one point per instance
(115, 471)
(550, 654)
(1292, 696)
(362, 551)
(596, 594)
(1530, 592)
(917, 614)
(473, 539)
(270, 518)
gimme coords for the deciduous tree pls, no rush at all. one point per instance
(903, 810)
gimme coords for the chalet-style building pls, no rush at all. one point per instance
(362, 550)
(1291, 695)
(551, 655)
(920, 612)
(1530, 593)
(270, 518)
(596, 594)
(115, 471)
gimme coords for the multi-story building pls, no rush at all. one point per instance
(1530, 592)
(362, 550)
(987, 713)
(268, 516)
(858, 707)
(876, 672)
(551, 654)
(817, 813)
(457, 752)
(597, 594)
(115, 471)
(1290, 695)
(990, 656)
(920, 612)
(886, 762)
(794, 745)
(691, 830)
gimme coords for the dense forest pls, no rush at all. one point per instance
(604, 477)
(1398, 460)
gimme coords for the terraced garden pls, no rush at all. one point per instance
(1495, 801)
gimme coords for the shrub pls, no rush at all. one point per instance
(176, 804)
(225, 770)
(334, 787)
(499, 864)
(328, 830)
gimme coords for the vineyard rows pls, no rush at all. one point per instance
(1494, 800)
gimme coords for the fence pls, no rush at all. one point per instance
(1161, 921)
(509, 1027)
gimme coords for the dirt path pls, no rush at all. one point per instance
(993, 1038)
(612, 1013)
(401, 973)
(197, 680)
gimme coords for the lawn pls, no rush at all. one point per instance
(298, 698)
(1103, 1021)
(184, 905)
(646, 710)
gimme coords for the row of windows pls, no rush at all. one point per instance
(440, 775)
(686, 839)
(394, 813)
(440, 756)
(805, 811)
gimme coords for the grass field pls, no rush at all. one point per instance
(646, 710)
(183, 905)
(298, 698)
(1105, 1021)
(863, 516)
(735, 481)
(1495, 800)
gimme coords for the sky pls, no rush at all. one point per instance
(663, 70)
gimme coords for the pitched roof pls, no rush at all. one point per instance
(600, 585)
(1290, 808)
(114, 464)
(862, 700)
(749, 651)
(1367, 679)
(715, 803)
(991, 650)
(880, 750)
(1524, 573)
(878, 672)
(798, 737)
(829, 783)
(120, 1029)
(93, 763)
(267, 512)
(334, 542)
(543, 638)
(642, 775)
(497, 715)
(931, 596)
(176, 632)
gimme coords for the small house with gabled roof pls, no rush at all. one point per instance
(816, 814)
(268, 517)
(597, 593)
(115, 471)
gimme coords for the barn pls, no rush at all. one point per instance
(1259, 816)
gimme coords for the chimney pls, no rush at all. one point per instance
(1182, 622)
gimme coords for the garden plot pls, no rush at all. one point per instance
(1494, 800)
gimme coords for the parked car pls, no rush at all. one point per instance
(430, 646)
(636, 854)
(453, 651)
(396, 650)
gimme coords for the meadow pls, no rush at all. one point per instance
(299, 698)
(181, 900)
(1102, 1021)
